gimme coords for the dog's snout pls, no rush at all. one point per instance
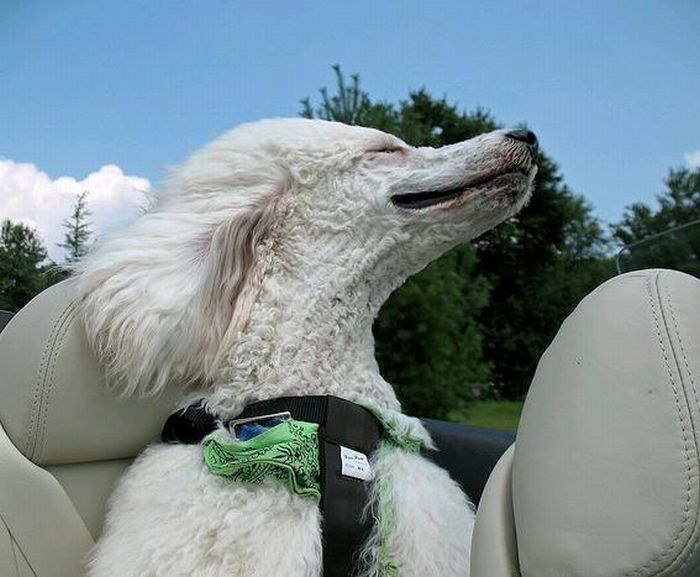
(526, 136)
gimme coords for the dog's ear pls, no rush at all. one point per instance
(163, 302)
(229, 286)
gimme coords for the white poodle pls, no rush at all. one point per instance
(258, 274)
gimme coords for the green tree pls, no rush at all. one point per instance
(352, 106)
(429, 342)
(540, 263)
(24, 269)
(535, 267)
(78, 233)
(661, 237)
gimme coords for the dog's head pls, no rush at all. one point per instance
(323, 205)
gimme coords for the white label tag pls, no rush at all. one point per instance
(355, 464)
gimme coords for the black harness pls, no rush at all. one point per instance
(343, 498)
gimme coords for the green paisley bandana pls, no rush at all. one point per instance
(392, 436)
(287, 452)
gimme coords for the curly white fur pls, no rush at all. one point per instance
(258, 274)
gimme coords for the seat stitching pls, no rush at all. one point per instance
(15, 546)
(691, 553)
(686, 443)
(682, 347)
(55, 350)
(31, 436)
(12, 546)
(17, 549)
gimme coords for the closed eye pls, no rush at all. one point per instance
(387, 150)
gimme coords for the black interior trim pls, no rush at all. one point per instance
(5, 317)
(468, 452)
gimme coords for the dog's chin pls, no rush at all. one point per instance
(511, 191)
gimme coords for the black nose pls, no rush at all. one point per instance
(526, 136)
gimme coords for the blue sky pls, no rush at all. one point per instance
(611, 87)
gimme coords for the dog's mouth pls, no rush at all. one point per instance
(418, 200)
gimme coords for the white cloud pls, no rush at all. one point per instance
(692, 159)
(28, 195)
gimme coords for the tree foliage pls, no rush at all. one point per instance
(662, 237)
(486, 310)
(540, 264)
(24, 268)
(429, 342)
(78, 233)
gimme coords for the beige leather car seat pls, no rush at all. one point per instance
(603, 479)
(63, 439)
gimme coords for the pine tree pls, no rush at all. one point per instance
(78, 231)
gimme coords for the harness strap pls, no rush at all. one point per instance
(188, 426)
(342, 425)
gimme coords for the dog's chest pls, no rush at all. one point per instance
(170, 515)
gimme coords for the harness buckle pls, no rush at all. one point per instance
(234, 423)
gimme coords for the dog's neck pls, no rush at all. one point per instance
(310, 332)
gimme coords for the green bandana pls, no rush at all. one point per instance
(392, 437)
(287, 452)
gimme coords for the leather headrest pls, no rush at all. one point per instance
(53, 401)
(606, 473)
